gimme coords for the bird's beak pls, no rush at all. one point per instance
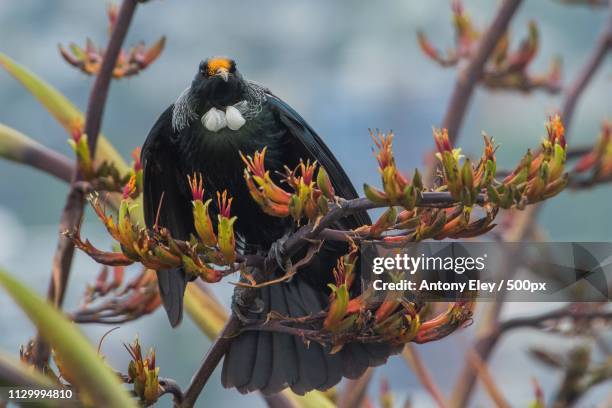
(223, 73)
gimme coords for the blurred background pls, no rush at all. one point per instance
(346, 67)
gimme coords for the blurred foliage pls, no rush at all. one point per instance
(91, 376)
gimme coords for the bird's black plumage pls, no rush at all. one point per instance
(180, 144)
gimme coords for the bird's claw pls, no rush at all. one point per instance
(239, 305)
(236, 310)
(279, 253)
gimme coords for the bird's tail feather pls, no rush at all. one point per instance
(270, 361)
(172, 284)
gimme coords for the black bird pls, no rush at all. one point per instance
(218, 116)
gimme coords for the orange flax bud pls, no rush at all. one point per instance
(224, 203)
(455, 222)
(202, 222)
(426, 46)
(526, 51)
(226, 239)
(307, 171)
(276, 210)
(456, 315)
(388, 306)
(265, 190)
(274, 192)
(442, 141)
(355, 305)
(255, 164)
(337, 307)
(196, 185)
(311, 209)
(384, 144)
(152, 53)
(253, 190)
(586, 162)
(130, 188)
(374, 194)
(390, 186)
(137, 166)
(555, 130)
(598, 153)
(112, 12)
(324, 184)
(386, 221)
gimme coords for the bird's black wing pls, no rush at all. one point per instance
(306, 143)
(163, 183)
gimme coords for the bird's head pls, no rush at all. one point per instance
(218, 82)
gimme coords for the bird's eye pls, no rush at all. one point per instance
(203, 68)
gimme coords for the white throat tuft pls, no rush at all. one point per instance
(215, 119)
(234, 118)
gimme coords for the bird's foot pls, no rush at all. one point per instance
(243, 301)
(278, 252)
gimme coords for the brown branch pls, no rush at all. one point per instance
(573, 93)
(487, 379)
(468, 79)
(573, 386)
(48, 161)
(75, 200)
(276, 326)
(355, 391)
(539, 321)
(412, 357)
(212, 359)
(580, 184)
(485, 345)
(170, 386)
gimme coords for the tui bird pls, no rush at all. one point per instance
(220, 115)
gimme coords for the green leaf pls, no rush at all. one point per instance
(94, 379)
(314, 399)
(17, 147)
(14, 144)
(66, 114)
(60, 108)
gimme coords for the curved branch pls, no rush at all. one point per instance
(412, 357)
(211, 360)
(75, 200)
(539, 320)
(572, 95)
(170, 386)
(19, 148)
(468, 79)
